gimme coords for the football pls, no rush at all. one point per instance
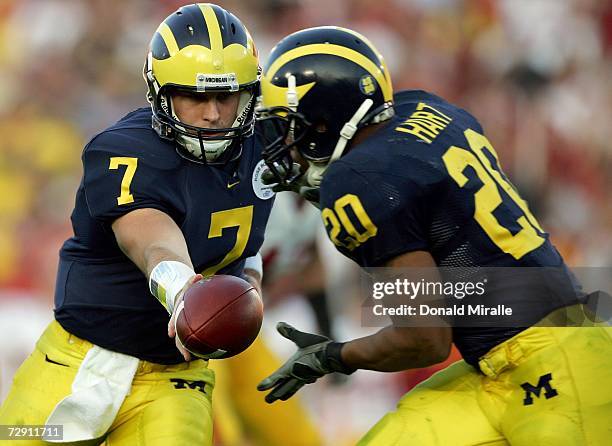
(219, 317)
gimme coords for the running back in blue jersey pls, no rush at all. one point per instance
(101, 295)
(430, 180)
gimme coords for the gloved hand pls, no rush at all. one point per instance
(299, 186)
(316, 356)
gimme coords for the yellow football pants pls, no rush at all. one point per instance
(166, 406)
(543, 387)
(241, 412)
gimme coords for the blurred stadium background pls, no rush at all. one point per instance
(537, 73)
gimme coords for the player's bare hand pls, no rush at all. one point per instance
(172, 323)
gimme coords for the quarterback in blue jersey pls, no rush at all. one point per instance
(408, 180)
(170, 193)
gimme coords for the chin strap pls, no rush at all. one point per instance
(350, 128)
(315, 171)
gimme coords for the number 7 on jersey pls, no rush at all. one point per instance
(131, 164)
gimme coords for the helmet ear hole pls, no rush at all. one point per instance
(320, 127)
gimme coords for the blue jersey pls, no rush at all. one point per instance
(430, 180)
(101, 295)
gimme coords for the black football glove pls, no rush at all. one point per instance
(316, 356)
(299, 186)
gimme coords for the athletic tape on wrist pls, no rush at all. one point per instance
(167, 279)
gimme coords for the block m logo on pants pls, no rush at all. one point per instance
(543, 383)
(184, 384)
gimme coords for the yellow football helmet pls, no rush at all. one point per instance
(202, 48)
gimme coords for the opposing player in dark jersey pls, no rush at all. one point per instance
(170, 193)
(410, 180)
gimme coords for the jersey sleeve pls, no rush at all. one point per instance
(119, 180)
(372, 217)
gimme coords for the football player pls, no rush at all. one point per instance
(409, 180)
(170, 193)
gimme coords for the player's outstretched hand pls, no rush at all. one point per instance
(172, 323)
(314, 358)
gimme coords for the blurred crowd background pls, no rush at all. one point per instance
(537, 73)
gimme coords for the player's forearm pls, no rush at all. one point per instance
(397, 348)
(148, 237)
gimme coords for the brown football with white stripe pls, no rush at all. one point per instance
(219, 317)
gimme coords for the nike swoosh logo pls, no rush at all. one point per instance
(54, 362)
(230, 185)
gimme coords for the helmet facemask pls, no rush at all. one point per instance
(282, 131)
(209, 144)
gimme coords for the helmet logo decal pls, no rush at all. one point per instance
(206, 81)
(262, 190)
(367, 85)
